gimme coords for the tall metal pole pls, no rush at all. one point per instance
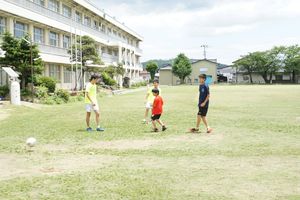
(71, 58)
(81, 67)
(31, 63)
(76, 59)
(204, 46)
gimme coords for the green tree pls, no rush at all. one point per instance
(247, 63)
(152, 67)
(292, 61)
(89, 52)
(18, 55)
(182, 67)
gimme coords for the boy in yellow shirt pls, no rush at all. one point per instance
(91, 103)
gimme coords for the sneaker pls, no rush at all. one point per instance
(155, 130)
(164, 128)
(100, 129)
(89, 129)
(194, 130)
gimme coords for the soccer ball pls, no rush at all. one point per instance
(31, 141)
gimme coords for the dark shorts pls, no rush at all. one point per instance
(202, 111)
(155, 117)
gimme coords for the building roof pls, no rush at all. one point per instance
(92, 7)
(219, 65)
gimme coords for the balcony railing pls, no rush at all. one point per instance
(68, 21)
(53, 50)
(107, 58)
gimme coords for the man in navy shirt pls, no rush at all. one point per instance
(203, 104)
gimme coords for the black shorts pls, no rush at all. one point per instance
(155, 117)
(202, 111)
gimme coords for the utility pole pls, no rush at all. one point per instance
(204, 46)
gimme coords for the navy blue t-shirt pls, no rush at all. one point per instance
(203, 93)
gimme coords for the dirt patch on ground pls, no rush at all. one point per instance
(150, 143)
(12, 166)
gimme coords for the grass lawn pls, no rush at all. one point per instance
(253, 153)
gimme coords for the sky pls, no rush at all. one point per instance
(230, 28)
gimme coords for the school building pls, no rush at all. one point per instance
(55, 24)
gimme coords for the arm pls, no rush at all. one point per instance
(88, 96)
(206, 100)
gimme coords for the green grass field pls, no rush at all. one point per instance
(253, 153)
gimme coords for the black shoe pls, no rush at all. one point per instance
(164, 128)
(155, 130)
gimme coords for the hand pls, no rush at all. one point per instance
(202, 104)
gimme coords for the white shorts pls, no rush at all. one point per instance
(149, 105)
(90, 108)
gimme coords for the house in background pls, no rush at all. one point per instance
(203, 66)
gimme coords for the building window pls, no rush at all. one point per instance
(40, 2)
(38, 35)
(87, 21)
(67, 11)
(196, 80)
(66, 42)
(109, 30)
(2, 25)
(67, 75)
(54, 71)
(95, 26)
(115, 32)
(53, 5)
(53, 38)
(103, 29)
(78, 17)
(20, 29)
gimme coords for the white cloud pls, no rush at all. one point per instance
(170, 28)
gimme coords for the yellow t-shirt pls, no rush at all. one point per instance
(92, 90)
(150, 94)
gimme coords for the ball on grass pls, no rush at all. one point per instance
(31, 141)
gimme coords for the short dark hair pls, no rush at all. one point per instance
(155, 81)
(202, 76)
(155, 90)
(94, 76)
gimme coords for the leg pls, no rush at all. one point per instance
(204, 121)
(97, 118)
(160, 122)
(198, 121)
(209, 130)
(146, 113)
(87, 119)
(154, 124)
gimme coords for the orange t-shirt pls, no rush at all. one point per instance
(157, 105)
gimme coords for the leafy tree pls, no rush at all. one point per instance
(152, 67)
(247, 63)
(89, 53)
(182, 67)
(275, 61)
(292, 61)
(18, 55)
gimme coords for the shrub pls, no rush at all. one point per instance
(25, 92)
(41, 92)
(63, 94)
(4, 90)
(107, 79)
(48, 100)
(47, 82)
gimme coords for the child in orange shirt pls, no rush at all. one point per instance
(157, 110)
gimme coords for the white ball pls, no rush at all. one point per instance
(31, 141)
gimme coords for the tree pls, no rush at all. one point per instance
(18, 55)
(182, 67)
(152, 67)
(89, 52)
(292, 61)
(248, 63)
